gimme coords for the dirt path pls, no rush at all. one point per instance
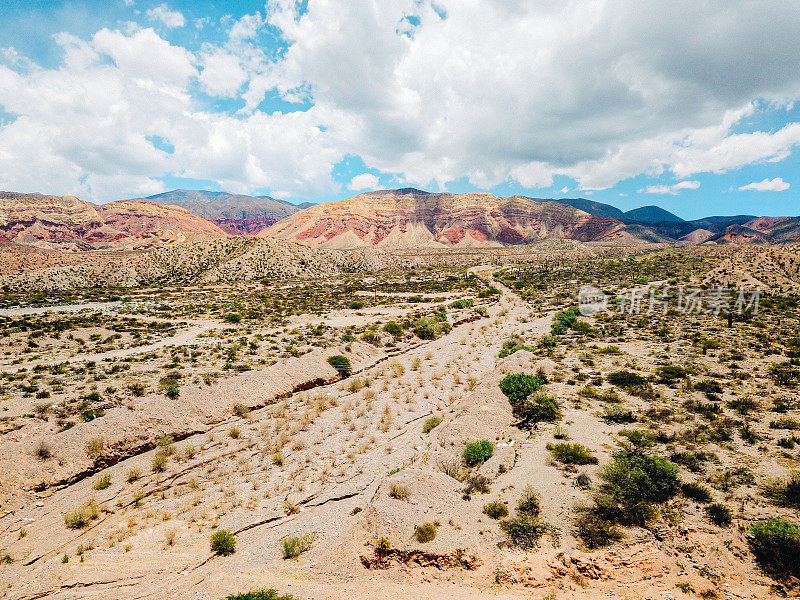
(322, 473)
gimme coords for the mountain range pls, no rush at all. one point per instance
(401, 218)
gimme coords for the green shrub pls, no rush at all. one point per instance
(519, 386)
(223, 542)
(671, 373)
(719, 514)
(232, 318)
(294, 545)
(431, 423)
(393, 328)
(356, 305)
(495, 510)
(696, 491)
(478, 452)
(632, 482)
(341, 364)
(776, 545)
(172, 391)
(524, 530)
(425, 533)
(596, 532)
(625, 379)
(572, 454)
(428, 328)
(262, 594)
(463, 303)
(509, 351)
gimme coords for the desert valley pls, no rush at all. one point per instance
(207, 395)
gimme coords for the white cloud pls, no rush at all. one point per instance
(365, 181)
(170, 18)
(594, 90)
(672, 189)
(767, 185)
(222, 74)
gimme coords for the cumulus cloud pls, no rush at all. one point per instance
(767, 185)
(488, 90)
(365, 181)
(168, 17)
(672, 189)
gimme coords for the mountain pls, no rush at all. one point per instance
(413, 218)
(590, 206)
(71, 223)
(651, 214)
(236, 214)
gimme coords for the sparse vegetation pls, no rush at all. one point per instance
(223, 542)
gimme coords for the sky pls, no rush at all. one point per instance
(688, 105)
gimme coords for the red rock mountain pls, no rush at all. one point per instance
(67, 221)
(413, 218)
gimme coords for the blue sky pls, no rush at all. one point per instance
(689, 107)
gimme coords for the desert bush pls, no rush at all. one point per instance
(393, 328)
(618, 414)
(294, 545)
(428, 328)
(523, 530)
(476, 483)
(425, 533)
(708, 386)
(133, 474)
(625, 379)
(633, 481)
(137, 389)
(462, 303)
(719, 514)
(478, 452)
(596, 532)
(356, 305)
(537, 408)
(102, 482)
(262, 594)
(518, 386)
(82, 516)
(431, 423)
(671, 373)
(232, 318)
(611, 351)
(528, 502)
(159, 462)
(223, 542)
(743, 405)
(94, 448)
(495, 510)
(43, 451)
(696, 491)
(240, 410)
(572, 454)
(172, 391)
(787, 493)
(785, 423)
(399, 491)
(776, 545)
(341, 364)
